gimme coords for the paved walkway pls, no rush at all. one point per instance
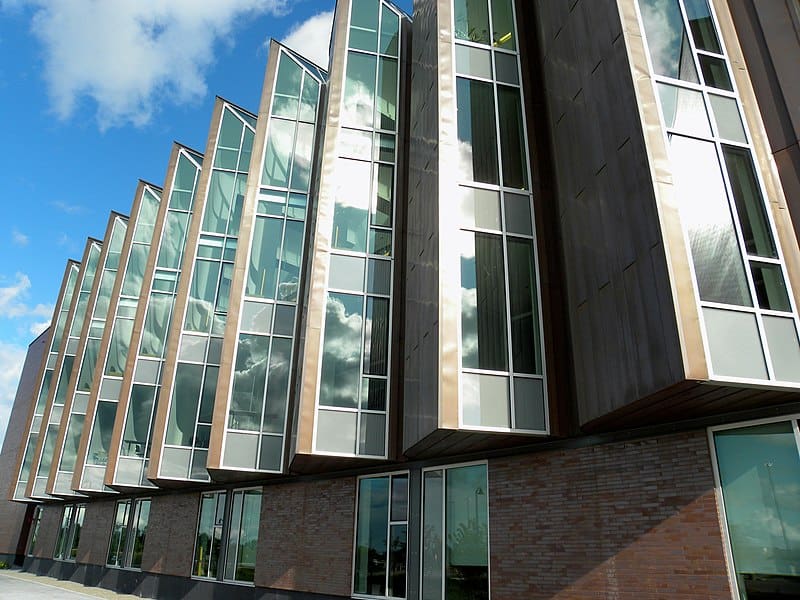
(18, 585)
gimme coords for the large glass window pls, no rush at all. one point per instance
(455, 534)
(128, 533)
(759, 476)
(233, 518)
(69, 534)
(381, 537)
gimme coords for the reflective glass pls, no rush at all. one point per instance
(380, 242)
(512, 138)
(483, 303)
(700, 189)
(390, 31)
(670, 52)
(86, 374)
(371, 536)
(529, 410)
(100, 442)
(336, 431)
(183, 408)
(373, 393)
(352, 205)
(379, 277)
(140, 522)
(480, 208)
(485, 400)
(309, 99)
(256, 317)
(382, 211)
(359, 90)
(134, 271)
(715, 72)
(209, 535)
(249, 380)
(119, 531)
(506, 68)
(684, 110)
(243, 543)
(702, 25)
(247, 151)
(156, 325)
(207, 401)
(376, 336)
(432, 535)
(303, 152)
(749, 202)
(286, 100)
(726, 115)
(364, 25)
(280, 145)
(503, 24)
(289, 277)
(477, 131)
(518, 214)
(466, 534)
(72, 438)
(183, 185)
(262, 276)
(372, 435)
(726, 329)
(202, 295)
(386, 117)
(770, 286)
(472, 20)
(346, 273)
(278, 386)
(173, 240)
(230, 138)
(271, 453)
(341, 351)
(218, 205)
(137, 423)
(522, 300)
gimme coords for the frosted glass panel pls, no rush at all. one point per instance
(784, 349)
(241, 450)
(336, 431)
(485, 401)
(734, 344)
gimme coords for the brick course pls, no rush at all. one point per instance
(171, 530)
(96, 533)
(634, 520)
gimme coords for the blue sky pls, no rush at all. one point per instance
(92, 94)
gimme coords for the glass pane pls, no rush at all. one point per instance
(702, 25)
(278, 386)
(373, 393)
(241, 450)
(472, 20)
(503, 24)
(140, 532)
(359, 90)
(173, 240)
(118, 347)
(770, 287)
(380, 242)
(71, 440)
(354, 143)
(346, 273)
(86, 374)
(371, 536)
(209, 536)
(485, 401)
(207, 404)
(522, 300)
(506, 68)
(390, 31)
(379, 277)
(749, 202)
(156, 325)
(729, 122)
(759, 469)
(308, 101)
(262, 276)
(432, 535)
(364, 25)
(477, 131)
(480, 208)
(271, 456)
(784, 349)
(230, 136)
(256, 317)
(473, 62)
(734, 344)
(670, 52)
(183, 409)
(386, 117)
(376, 336)
(280, 146)
(303, 152)
(397, 561)
(202, 296)
(289, 278)
(249, 381)
(286, 100)
(119, 531)
(399, 498)
(100, 442)
(529, 404)
(352, 205)
(483, 303)
(248, 536)
(382, 212)
(715, 72)
(706, 215)
(137, 423)
(684, 110)
(218, 205)
(518, 214)
(336, 431)
(512, 138)
(467, 534)
(341, 351)
(284, 320)
(372, 435)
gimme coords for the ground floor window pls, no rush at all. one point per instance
(759, 481)
(381, 537)
(69, 533)
(227, 535)
(35, 522)
(455, 533)
(128, 533)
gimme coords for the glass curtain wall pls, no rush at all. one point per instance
(144, 381)
(455, 534)
(227, 535)
(257, 410)
(502, 360)
(739, 272)
(60, 318)
(103, 403)
(381, 537)
(353, 396)
(191, 405)
(64, 367)
(759, 476)
(128, 533)
(88, 353)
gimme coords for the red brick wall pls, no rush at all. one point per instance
(633, 520)
(48, 531)
(171, 530)
(96, 532)
(306, 538)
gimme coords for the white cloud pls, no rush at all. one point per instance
(12, 300)
(38, 327)
(127, 56)
(312, 38)
(70, 209)
(12, 358)
(19, 238)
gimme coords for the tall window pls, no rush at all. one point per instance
(381, 537)
(128, 533)
(227, 535)
(69, 534)
(740, 276)
(759, 477)
(35, 522)
(455, 534)
(502, 379)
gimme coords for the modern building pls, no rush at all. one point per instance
(503, 305)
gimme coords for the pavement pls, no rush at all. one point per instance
(18, 585)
